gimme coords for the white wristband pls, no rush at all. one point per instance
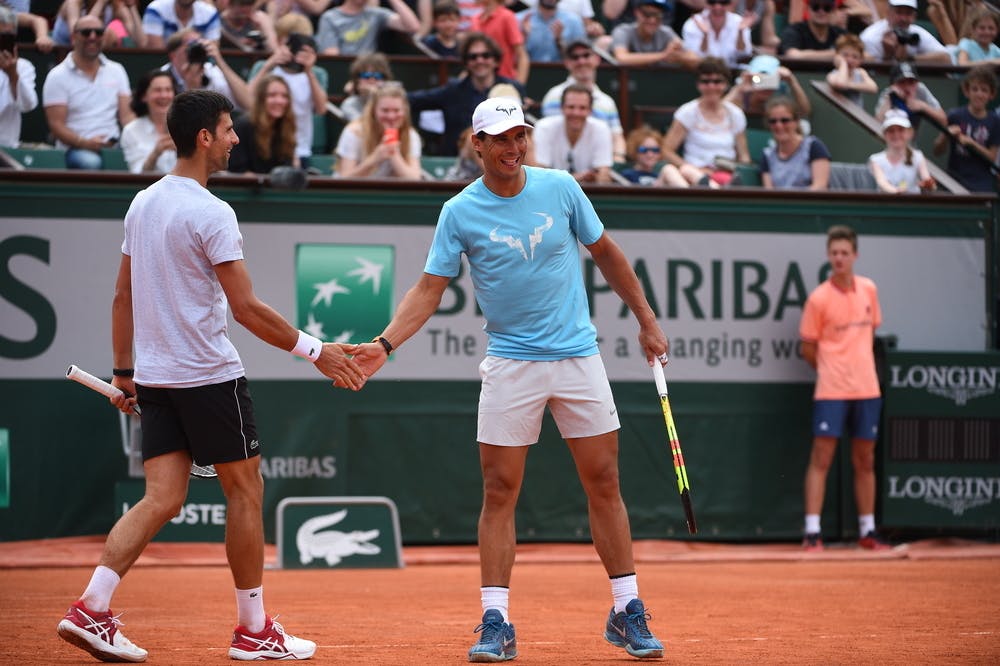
(308, 347)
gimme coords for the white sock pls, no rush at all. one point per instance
(624, 589)
(104, 582)
(497, 598)
(866, 524)
(812, 523)
(250, 609)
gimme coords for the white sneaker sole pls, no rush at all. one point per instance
(88, 642)
(262, 655)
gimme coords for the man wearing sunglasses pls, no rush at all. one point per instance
(458, 98)
(581, 62)
(86, 98)
(896, 38)
(813, 38)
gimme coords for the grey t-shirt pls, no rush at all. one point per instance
(627, 35)
(352, 34)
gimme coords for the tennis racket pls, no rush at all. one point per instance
(104, 388)
(675, 448)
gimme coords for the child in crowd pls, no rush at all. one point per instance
(974, 132)
(368, 73)
(980, 29)
(468, 166)
(848, 77)
(444, 39)
(643, 148)
(899, 168)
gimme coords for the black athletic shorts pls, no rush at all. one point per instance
(215, 423)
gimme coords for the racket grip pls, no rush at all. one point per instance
(661, 381)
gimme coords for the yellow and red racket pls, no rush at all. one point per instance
(675, 448)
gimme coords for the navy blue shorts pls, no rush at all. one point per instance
(214, 423)
(860, 416)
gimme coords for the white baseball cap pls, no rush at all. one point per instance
(912, 4)
(497, 115)
(895, 118)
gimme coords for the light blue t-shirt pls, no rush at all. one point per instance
(976, 52)
(524, 255)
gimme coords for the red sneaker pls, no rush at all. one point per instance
(271, 643)
(98, 634)
(812, 543)
(871, 541)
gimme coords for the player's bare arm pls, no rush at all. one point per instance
(263, 321)
(121, 334)
(417, 306)
(809, 352)
(618, 272)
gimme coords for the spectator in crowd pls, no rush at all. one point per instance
(907, 93)
(500, 24)
(838, 335)
(848, 77)
(978, 36)
(949, 17)
(546, 27)
(120, 18)
(353, 28)
(163, 18)
(814, 38)
(708, 127)
(974, 132)
(794, 160)
(581, 62)
(146, 142)
(246, 27)
(900, 168)
(468, 165)
(458, 98)
(392, 41)
(763, 78)
(86, 98)
(444, 39)
(295, 62)
(897, 38)
(760, 16)
(308, 8)
(716, 31)
(368, 73)
(644, 151)
(383, 143)
(196, 63)
(574, 141)
(648, 41)
(583, 9)
(617, 12)
(267, 133)
(17, 82)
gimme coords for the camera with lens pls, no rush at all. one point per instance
(256, 40)
(295, 42)
(905, 37)
(196, 53)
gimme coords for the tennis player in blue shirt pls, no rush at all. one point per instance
(521, 229)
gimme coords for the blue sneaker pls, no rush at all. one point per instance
(497, 642)
(629, 630)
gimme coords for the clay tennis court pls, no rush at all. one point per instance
(928, 602)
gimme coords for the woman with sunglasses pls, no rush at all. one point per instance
(716, 31)
(709, 128)
(794, 161)
(368, 72)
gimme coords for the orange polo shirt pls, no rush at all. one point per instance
(842, 323)
(502, 26)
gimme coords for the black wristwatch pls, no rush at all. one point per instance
(386, 345)
(123, 372)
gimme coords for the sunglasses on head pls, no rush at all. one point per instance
(647, 149)
(821, 6)
(782, 121)
(481, 55)
(90, 32)
(378, 76)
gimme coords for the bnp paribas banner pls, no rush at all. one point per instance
(730, 302)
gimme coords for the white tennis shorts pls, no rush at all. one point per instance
(515, 393)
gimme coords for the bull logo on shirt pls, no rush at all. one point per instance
(516, 243)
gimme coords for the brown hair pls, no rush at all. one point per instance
(637, 136)
(370, 62)
(265, 129)
(372, 130)
(849, 41)
(842, 232)
(981, 74)
(975, 15)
